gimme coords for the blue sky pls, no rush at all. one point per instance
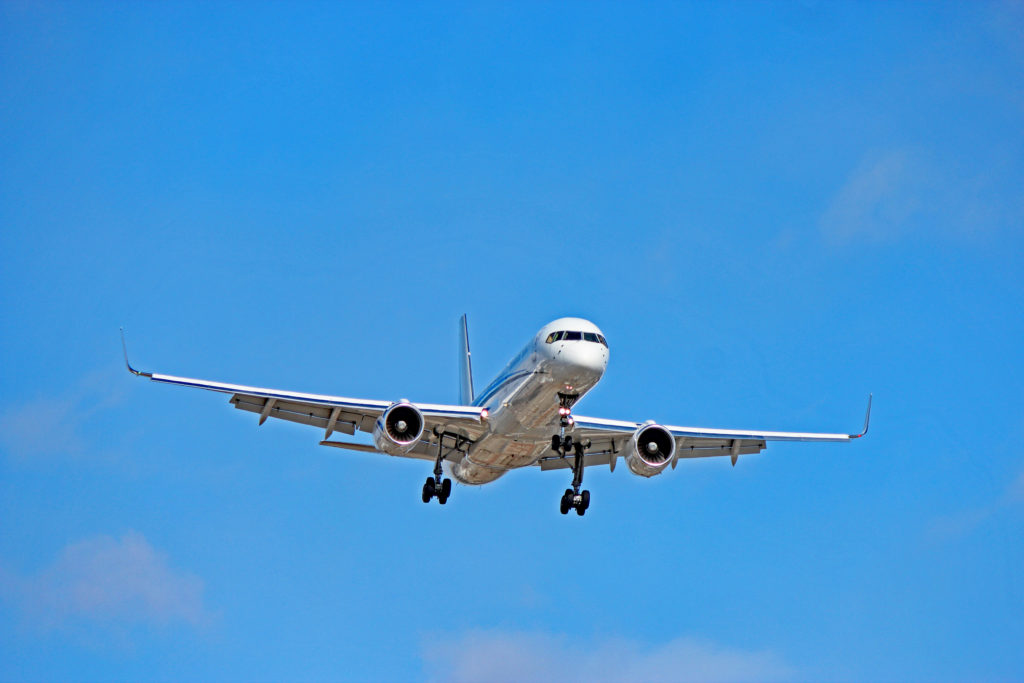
(770, 210)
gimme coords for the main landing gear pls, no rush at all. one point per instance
(572, 499)
(435, 486)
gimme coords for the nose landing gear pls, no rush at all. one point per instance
(572, 499)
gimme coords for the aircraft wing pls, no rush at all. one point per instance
(609, 437)
(335, 413)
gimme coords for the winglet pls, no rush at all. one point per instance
(867, 420)
(124, 347)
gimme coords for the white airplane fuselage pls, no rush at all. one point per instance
(523, 400)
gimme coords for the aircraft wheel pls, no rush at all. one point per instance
(428, 490)
(446, 488)
(585, 503)
(566, 502)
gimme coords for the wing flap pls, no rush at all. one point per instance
(557, 462)
(692, 448)
(304, 413)
(597, 426)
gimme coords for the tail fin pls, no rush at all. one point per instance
(465, 366)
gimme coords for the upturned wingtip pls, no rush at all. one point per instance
(867, 420)
(124, 348)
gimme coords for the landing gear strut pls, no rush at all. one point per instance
(435, 486)
(572, 499)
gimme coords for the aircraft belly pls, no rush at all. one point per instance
(521, 423)
(506, 453)
(533, 404)
(494, 455)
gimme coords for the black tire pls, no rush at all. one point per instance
(563, 506)
(585, 503)
(580, 510)
(442, 499)
(428, 490)
(446, 488)
(567, 443)
(556, 443)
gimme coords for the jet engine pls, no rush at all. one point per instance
(398, 429)
(650, 449)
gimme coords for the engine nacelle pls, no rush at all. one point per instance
(398, 429)
(651, 448)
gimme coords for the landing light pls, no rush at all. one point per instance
(563, 411)
(484, 413)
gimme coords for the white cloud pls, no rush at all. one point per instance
(103, 580)
(498, 656)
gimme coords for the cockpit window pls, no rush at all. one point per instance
(562, 335)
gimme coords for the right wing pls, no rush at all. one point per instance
(336, 413)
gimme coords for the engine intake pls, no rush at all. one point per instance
(651, 448)
(398, 429)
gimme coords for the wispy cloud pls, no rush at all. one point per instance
(499, 656)
(52, 425)
(106, 581)
(898, 192)
(961, 523)
(1016, 491)
(876, 200)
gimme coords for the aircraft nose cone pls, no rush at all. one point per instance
(585, 361)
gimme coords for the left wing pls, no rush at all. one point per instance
(335, 413)
(608, 437)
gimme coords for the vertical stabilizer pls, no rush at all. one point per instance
(465, 366)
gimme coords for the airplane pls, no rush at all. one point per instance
(523, 418)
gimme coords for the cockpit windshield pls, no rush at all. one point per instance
(577, 336)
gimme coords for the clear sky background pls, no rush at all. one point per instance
(770, 210)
